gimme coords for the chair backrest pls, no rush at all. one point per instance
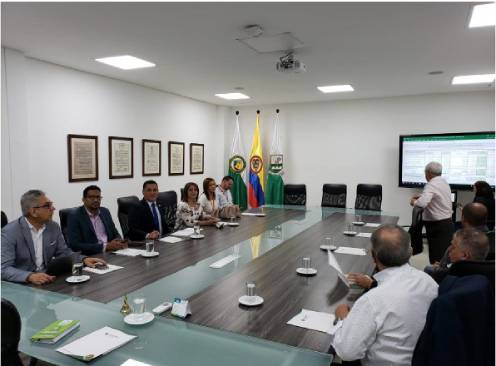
(415, 230)
(468, 268)
(124, 206)
(11, 334)
(295, 194)
(334, 195)
(368, 197)
(168, 200)
(5, 221)
(64, 216)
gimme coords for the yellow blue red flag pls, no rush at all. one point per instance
(256, 196)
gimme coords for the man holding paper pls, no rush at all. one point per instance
(384, 324)
(32, 241)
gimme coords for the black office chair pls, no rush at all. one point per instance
(64, 217)
(490, 255)
(415, 230)
(5, 221)
(334, 195)
(467, 268)
(11, 334)
(168, 200)
(295, 194)
(124, 206)
(368, 197)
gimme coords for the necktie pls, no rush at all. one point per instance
(155, 217)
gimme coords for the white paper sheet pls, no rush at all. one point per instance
(97, 343)
(111, 268)
(184, 233)
(222, 262)
(253, 214)
(334, 263)
(352, 251)
(130, 252)
(364, 235)
(171, 239)
(323, 322)
(372, 224)
(131, 362)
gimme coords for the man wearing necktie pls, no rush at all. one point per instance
(146, 219)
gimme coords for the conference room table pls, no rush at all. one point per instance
(219, 331)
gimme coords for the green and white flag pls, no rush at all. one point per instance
(237, 169)
(274, 193)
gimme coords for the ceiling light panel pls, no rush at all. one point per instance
(125, 62)
(336, 88)
(232, 96)
(473, 79)
(483, 15)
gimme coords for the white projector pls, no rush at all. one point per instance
(289, 64)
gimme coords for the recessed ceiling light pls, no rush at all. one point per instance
(335, 88)
(231, 96)
(473, 79)
(483, 15)
(125, 62)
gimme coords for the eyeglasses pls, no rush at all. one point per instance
(46, 205)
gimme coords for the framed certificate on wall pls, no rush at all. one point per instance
(82, 156)
(151, 157)
(196, 158)
(176, 158)
(120, 157)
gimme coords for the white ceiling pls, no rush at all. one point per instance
(382, 49)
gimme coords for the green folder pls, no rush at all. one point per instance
(55, 331)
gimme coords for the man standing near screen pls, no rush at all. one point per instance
(436, 202)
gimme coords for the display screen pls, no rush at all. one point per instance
(465, 157)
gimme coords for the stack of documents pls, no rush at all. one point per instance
(55, 331)
(365, 235)
(171, 239)
(98, 343)
(372, 224)
(260, 214)
(323, 322)
(111, 268)
(186, 233)
(130, 252)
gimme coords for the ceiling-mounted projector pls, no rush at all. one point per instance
(289, 64)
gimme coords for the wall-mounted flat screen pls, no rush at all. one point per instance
(466, 158)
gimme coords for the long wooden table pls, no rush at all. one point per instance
(285, 292)
(139, 271)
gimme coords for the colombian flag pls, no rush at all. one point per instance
(256, 195)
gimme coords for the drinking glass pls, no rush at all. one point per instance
(250, 289)
(150, 244)
(77, 269)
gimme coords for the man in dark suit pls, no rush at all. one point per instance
(146, 220)
(90, 228)
(31, 242)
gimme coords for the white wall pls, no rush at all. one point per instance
(356, 141)
(46, 102)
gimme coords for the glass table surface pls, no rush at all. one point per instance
(168, 341)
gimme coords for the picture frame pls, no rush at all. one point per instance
(151, 157)
(121, 158)
(196, 158)
(176, 158)
(82, 157)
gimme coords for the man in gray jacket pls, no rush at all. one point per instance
(33, 240)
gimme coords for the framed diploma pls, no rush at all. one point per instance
(82, 157)
(120, 157)
(151, 157)
(196, 158)
(176, 158)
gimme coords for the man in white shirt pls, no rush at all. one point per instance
(227, 208)
(31, 242)
(384, 324)
(436, 202)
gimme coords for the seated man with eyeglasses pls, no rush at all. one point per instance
(32, 241)
(90, 229)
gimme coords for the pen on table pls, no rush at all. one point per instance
(335, 321)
